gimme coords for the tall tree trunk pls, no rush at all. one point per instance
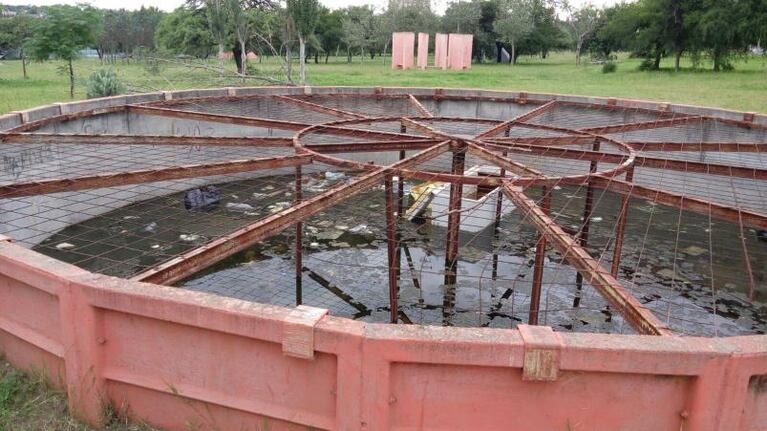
(221, 57)
(348, 55)
(327, 56)
(289, 62)
(513, 60)
(578, 47)
(237, 58)
(23, 64)
(316, 56)
(71, 80)
(302, 58)
(243, 59)
(677, 60)
(656, 62)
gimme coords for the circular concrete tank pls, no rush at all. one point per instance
(293, 223)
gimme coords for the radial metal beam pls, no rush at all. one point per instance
(373, 146)
(503, 162)
(424, 128)
(116, 139)
(639, 161)
(643, 125)
(419, 107)
(548, 140)
(697, 205)
(321, 108)
(113, 179)
(267, 123)
(717, 147)
(640, 318)
(197, 259)
(518, 119)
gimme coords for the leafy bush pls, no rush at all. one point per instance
(104, 83)
(609, 67)
(647, 64)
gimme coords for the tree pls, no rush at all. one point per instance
(63, 33)
(240, 21)
(14, 32)
(304, 14)
(217, 14)
(462, 17)
(358, 29)
(185, 31)
(581, 23)
(329, 30)
(515, 22)
(546, 33)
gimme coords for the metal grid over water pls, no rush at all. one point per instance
(668, 208)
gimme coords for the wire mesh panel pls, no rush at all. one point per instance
(457, 211)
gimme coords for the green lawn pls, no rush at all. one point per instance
(743, 89)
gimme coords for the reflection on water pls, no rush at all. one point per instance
(668, 261)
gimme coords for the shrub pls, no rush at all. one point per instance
(104, 83)
(609, 67)
(647, 64)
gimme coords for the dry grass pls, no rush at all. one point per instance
(29, 403)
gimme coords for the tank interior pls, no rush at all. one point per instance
(453, 211)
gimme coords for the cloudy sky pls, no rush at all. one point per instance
(438, 5)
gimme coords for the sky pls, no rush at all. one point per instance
(167, 5)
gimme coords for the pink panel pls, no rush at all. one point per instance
(250, 373)
(468, 41)
(459, 51)
(440, 51)
(402, 51)
(423, 50)
(439, 397)
(31, 309)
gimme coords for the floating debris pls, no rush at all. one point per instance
(65, 246)
(151, 227)
(130, 217)
(236, 206)
(189, 237)
(694, 250)
(279, 206)
(361, 229)
(202, 198)
(330, 235)
(334, 176)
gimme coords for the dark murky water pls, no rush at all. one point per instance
(688, 269)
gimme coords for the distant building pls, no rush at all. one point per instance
(7, 13)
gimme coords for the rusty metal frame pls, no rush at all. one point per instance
(485, 145)
(112, 179)
(118, 139)
(192, 261)
(640, 318)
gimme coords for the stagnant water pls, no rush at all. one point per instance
(687, 268)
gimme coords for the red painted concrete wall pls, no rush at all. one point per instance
(173, 357)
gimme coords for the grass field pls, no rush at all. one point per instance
(744, 89)
(27, 403)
